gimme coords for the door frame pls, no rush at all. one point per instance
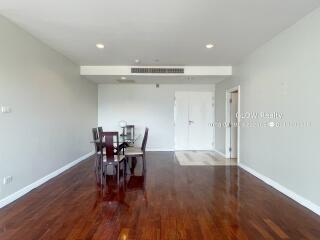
(227, 133)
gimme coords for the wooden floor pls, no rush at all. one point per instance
(179, 202)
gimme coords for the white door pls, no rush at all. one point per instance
(193, 119)
(181, 120)
(200, 120)
(234, 127)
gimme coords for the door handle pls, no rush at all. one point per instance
(191, 122)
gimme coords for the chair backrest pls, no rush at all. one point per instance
(110, 141)
(100, 130)
(94, 134)
(95, 137)
(144, 141)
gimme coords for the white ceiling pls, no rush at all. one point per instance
(173, 31)
(158, 79)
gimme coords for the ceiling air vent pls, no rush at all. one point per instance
(157, 70)
(126, 81)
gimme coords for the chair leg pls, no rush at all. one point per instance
(144, 163)
(118, 173)
(125, 167)
(133, 164)
(101, 171)
(96, 170)
(130, 164)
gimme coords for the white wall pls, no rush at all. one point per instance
(283, 76)
(143, 105)
(53, 109)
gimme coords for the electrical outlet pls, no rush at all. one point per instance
(7, 180)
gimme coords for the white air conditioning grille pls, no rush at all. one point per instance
(157, 70)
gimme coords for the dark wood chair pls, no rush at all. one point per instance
(95, 135)
(97, 165)
(100, 130)
(134, 152)
(109, 142)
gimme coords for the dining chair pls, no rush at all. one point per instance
(109, 141)
(100, 130)
(95, 134)
(97, 164)
(133, 152)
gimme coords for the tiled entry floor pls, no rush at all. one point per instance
(202, 158)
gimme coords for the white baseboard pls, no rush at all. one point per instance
(301, 200)
(220, 153)
(9, 199)
(160, 150)
(191, 150)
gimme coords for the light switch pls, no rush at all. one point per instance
(5, 109)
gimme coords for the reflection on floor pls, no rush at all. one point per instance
(202, 158)
(169, 202)
(134, 181)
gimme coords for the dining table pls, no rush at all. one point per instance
(123, 140)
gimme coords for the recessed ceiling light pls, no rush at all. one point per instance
(100, 45)
(137, 61)
(209, 45)
(123, 78)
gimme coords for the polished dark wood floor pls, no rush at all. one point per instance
(170, 202)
